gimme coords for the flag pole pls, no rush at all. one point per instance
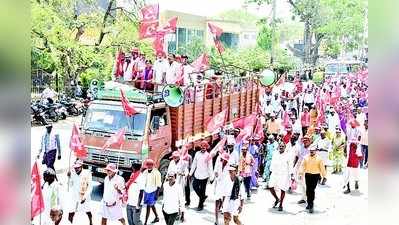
(69, 168)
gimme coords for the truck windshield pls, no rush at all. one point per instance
(334, 68)
(110, 119)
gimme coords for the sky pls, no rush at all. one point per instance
(214, 7)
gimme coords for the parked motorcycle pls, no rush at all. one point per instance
(37, 114)
(50, 111)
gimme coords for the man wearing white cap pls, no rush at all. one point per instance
(80, 189)
(180, 168)
(339, 144)
(111, 204)
(153, 183)
(233, 196)
(221, 172)
(281, 175)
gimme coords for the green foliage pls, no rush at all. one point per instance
(264, 39)
(193, 49)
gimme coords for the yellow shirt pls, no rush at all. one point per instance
(273, 127)
(313, 165)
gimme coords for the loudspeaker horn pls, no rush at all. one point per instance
(173, 95)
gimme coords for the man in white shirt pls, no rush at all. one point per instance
(51, 194)
(172, 68)
(160, 66)
(135, 193)
(308, 98)
(172, 199)
(130, 66)
(233, 196)
(50, 145)
(80, 189)
(324, 147)
(201, 169)
(153, 183)
(111, 204)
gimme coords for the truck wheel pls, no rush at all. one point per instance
(163, 168)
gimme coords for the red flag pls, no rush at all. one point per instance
(117, 138)
(158, 42)
(242, 122)
(245, 133)
(258, 132)
(120, 59)
(148, 29)
(218, 45)
(286, 119)
(149, 12)
(76, 145)
(281, 80)
(129, 110)
(37, 202)
(217, 121)
(218, 148)
(180, 75)
(171, 26)
(201, 63)
(217, 31)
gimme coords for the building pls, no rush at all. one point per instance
(191, 27)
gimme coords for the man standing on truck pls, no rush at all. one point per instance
(111, 204)
(202, 170)
(152, 178)
(171, 69)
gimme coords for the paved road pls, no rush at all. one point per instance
(331, 205)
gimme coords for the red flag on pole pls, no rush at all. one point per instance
(245, 133)
(149, 12)
(129, 110)
(217, 121)
(201, 63)
(242, 122)
(217, 31)
(120, 59)
(218, 45)
(218, 148)
(76, 145)
(258, 132)
(170, 27)
(158, 42)
(281, 80)
(117, 138)
(37, 202)
(148, 29)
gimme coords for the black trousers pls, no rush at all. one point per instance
(199, 187)
(247, 185)
(169, 218)
(187, 192)
(311, 181)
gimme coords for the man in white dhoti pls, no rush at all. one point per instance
(233, 196)
(281, 175)
(221, 172)
(179, 167)
(80, 190)
(111, 204)
(51, 194)
(324, 147)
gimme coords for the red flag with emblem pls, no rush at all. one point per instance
(148, 29)
(76, 145)
(149, 12)
(117, 138)
(215, 30)
(37, 202)
(217, 121)
(170, 27)
(218, 148)
(218, 45)
(158, 42)
(129, 110)
(258, 132)
(245, 133)
(201, 63)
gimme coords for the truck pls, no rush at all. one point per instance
(156, 130)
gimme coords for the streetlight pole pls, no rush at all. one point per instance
(273, 32)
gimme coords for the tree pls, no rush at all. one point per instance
(264, 39)
(193, 49)
(326, 20)
(78, 39)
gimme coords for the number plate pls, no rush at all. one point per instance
(101, 170)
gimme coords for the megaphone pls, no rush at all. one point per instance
(267, 78)
(173, 95)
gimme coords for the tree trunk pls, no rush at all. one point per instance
(307, 40)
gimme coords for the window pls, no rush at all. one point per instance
(230, 40)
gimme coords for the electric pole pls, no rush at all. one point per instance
(273, 32)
